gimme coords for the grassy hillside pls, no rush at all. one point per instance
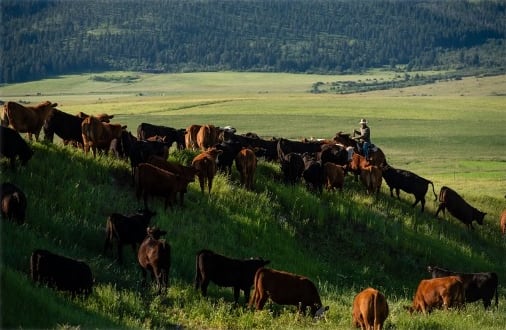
(343, 241)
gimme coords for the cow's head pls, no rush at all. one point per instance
(320, 312)
(155, 232)
(479, 216)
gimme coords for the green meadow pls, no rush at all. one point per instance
(450, 132)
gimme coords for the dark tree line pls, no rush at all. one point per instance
(45, 38)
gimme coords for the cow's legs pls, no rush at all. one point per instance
(261, 300)
(237, 291)
(203, 286)
(143, 273)
(440, 208)
(201, 182)
(397, 191)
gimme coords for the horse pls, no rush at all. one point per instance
(376, 155)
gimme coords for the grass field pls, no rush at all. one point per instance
(451, 133)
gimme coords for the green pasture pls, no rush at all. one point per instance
(343, 241)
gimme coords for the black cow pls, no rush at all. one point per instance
(476, 285)
(121, 147)
(407, 181)
(141, 150)
(227, 272)
(333, 153)
(66, 126)
(458, 207)
(284, 147)
(12, 146)
(313, 173)
(230, 150)
(126, 229)
(60, 272)
(292, 167)
(263, 148)
(169, 134)
(13, 202)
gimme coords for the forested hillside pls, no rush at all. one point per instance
(46, 38)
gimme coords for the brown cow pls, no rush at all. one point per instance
(103, 117)
(370, 310)
(190, 137)
(503, 223)
(151, 180)
(439, 292)
(13, 202)
(207, 136)
(246, 163)
(286, 289)
(154, 256)
(205, 164)
(333, 176)
(98, 135)
(458, 207)
(27, 119)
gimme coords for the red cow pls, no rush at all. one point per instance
(154, 256)
(503, 223)
(286, 289)
(207, 136)
(333, 175)
(370, 310)
(246, 163)
(190, 137)
(205, 164)
(153, 181)
(98, 135)
(27, 119)
(438, 292)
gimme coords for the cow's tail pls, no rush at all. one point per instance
(375, 306)
(256, 293)
(433, 191)
(108, 235)
(497, 292)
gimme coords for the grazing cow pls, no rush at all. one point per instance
(226, 272)
(285, 147)
(246, 163)
(286, 289)
(169, 134)
(370, 310)
(190, 137)
(98, 135)
(313, 173)
(207, 136)
(151, 180)
(409, 182)
(140, 151)
(230, 148)
(376, 155)
(292, 166)
(12, 146)
(205, 164)
(503, 223)
(333, 176)
(126, 229)
(27, 119)
(458, 207)
(13, 202)
(476, 285)
(432, 293)
(154, 256)
(60, 272)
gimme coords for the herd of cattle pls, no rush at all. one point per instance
(322, 163)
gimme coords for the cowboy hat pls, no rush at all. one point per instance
(363, 121)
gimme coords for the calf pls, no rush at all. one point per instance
(13, 146)
(438, 292)
(246, 163)
(476, 285)
(153, 181)
(13, 202)
(334, 176)
(205, 164)
(126, 229)
(371, 178)
(313, 173)
(370, 309)
(225, 271)
(458, 207)
(286, 289)
(154, 256)
(407, 181)
(60, 272)
(230, 149)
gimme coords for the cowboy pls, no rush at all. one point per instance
(364, 138)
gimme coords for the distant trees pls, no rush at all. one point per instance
(43, 38)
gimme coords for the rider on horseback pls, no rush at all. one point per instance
(364, 139)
